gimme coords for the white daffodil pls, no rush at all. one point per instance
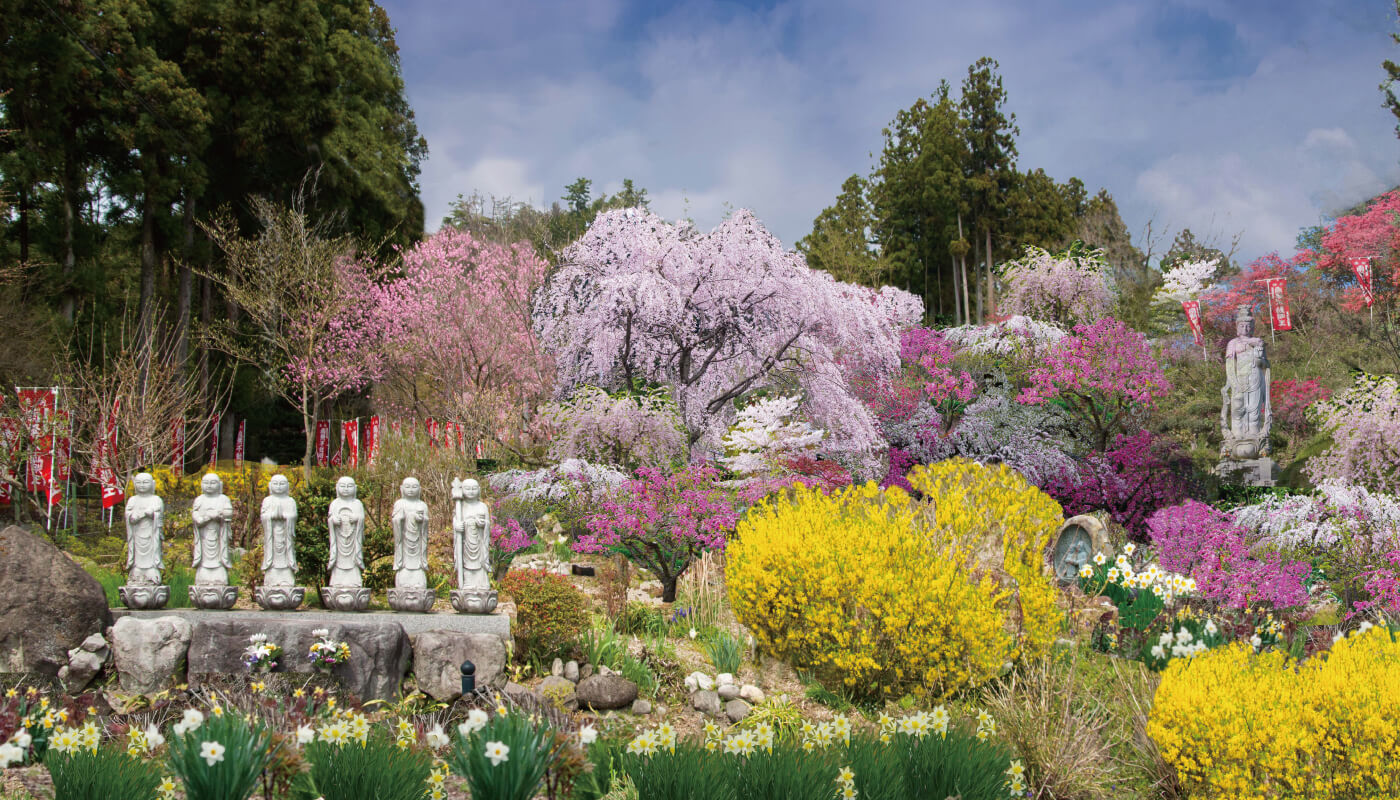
(306, 734)
(497, 752)
(211, 752)
(587, 734)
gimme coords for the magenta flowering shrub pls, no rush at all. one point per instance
(1383, 586)
(1210, 546)
(1140, 475)
(508, 538)
(1103, 375)
(662, 522)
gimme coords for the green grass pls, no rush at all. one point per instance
(179, 579)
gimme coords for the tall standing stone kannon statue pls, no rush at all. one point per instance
(346, 523)
(279, 591)
(471, 549)
(409, 520)
(212, 515)
(145, 531)
(1246, 412)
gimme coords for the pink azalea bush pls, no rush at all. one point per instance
(1291, 400)
(508, 538)
(1210, 546)
(662, 522)
(1103, 375)
(1140, 475)
(1382, 584)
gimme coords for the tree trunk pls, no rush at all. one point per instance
(991, 280)
(957, 284)
(962, 262)
(24, 225)
(146, 324)
(668, 588)
(186, 295)
(308, 424)
(981, 289)
(70, 236)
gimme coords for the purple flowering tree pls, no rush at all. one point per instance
(662, 522)
(1140, 475)
(714, 316)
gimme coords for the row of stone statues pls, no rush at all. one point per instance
(212, 516)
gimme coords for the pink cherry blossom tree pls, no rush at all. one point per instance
(1065, 288)
(1103, 375)
(458, 341)
(1363, 422)
(714, 316)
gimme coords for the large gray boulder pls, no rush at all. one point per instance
(438, 657)
(48, 604)
(379, 650)
(603, 692)
(149, 652)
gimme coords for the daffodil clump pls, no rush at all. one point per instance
(1239, 724)
(963, 759)
(85, 767)
(348, 756)
(887, 595)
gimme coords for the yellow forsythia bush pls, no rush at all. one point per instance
(1236, 724)
(888, 595)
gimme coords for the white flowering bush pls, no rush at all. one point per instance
(766, 433)
(572, 479)
(1186, 281)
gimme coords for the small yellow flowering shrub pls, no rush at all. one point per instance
(1242, 725)
(888, 595)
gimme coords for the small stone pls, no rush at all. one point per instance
(727, 691)
(584, 671)
(94, 643)
(724, 678)
(706, 702)
(604, 692)
(641, 707)
(603, 670)
(699, 682)
(560, 691)
(751, 693)
(518, 693)
(557, 670)
(571, 671)
(736, 710)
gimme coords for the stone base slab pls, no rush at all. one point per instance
(1254, 472)
(497, 623)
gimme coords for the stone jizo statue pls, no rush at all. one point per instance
(145, 532)
(346, 523)
(410, 522)
(471, 549)
(212, 514)
(347, 530)
(279, 522)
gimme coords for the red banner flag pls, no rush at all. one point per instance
(9, 447)
(449, 436)
(35, 408)
(432, 432)
(1362, 268)
(351, 432)
(177, 447)
(372, 437)
(58, 462)
(214, 441)
(323, 442)
(238, 440)
(1193, 318)
(1278, 304)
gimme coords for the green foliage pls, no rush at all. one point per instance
(640, 672)
(247, 750)
(533, 748)
(638, 617)
(550, 613)
(107, 773)
(602, 646)
(725, 651)
(376, 769)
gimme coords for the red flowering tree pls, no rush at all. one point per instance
(458, 340)
(1103, 375)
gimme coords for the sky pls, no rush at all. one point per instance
(1244, 118)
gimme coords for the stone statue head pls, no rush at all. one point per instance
(145, 483)
(1244, 321)
(471, 490)
(410, 489)
(212, 485)
(279, 486)
(345, 488)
